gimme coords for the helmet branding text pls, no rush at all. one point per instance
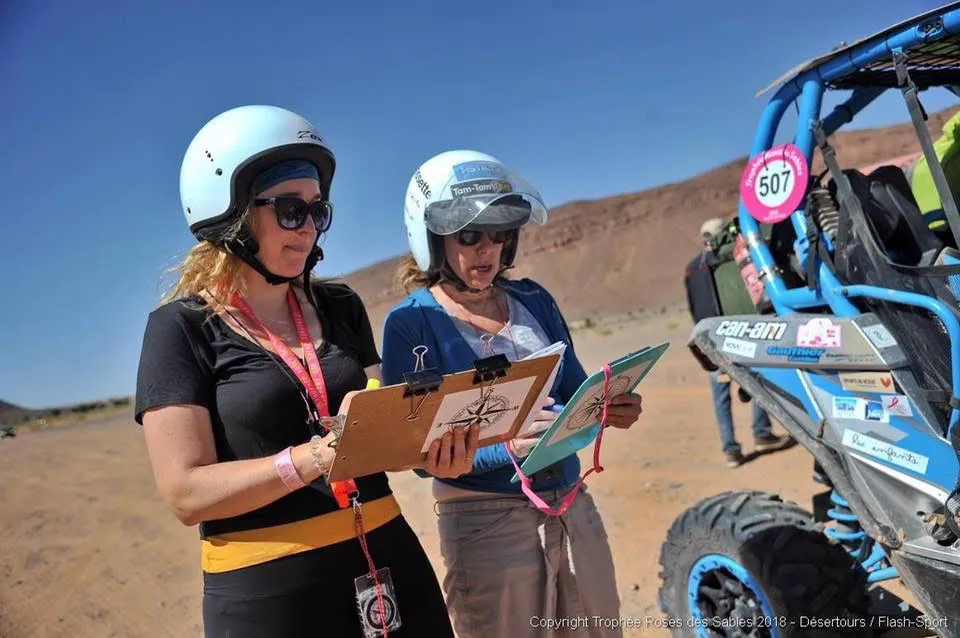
(481, 187)
(422, 183)
(308, 135)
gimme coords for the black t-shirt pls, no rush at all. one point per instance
(257, 408)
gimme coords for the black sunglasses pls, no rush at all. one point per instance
(473, 237)
(292, 212)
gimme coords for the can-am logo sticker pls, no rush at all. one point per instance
(760, 330)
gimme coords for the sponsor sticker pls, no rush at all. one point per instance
(481, 187)
(796, 354)
(760, 330)
(851, 358)
(885, 451)
(867, 382)
(897, 405)
(740, 347)
(874, 411)
(819, 333)
(880, 336)
(479, 170)
(847, 408)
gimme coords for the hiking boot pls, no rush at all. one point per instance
(769, 442)
(734, 459)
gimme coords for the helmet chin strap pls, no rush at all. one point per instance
(246, 249)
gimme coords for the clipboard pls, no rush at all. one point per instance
(392, 426)
(578, 423)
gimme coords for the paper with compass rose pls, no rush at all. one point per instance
(494, 408)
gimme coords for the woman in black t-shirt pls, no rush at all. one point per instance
(239, 367)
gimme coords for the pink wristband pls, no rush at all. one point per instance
(288, 473)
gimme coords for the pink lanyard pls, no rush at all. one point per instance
(525, 483)
(312, 381)
(316, 387)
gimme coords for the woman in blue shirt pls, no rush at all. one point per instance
(512, 568)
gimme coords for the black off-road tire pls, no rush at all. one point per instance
(813, 586)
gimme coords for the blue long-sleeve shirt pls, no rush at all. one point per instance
(420, 320)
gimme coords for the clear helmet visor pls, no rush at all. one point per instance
(486, 197)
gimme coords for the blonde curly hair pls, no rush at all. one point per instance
(212, 271)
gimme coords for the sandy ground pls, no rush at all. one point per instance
(90, 550)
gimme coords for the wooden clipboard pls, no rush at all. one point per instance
(385, 428)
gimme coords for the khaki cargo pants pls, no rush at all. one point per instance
(513, 571)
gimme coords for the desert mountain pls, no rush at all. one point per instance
(10, 413)
(627, 253)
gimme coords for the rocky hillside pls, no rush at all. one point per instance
(627, 253)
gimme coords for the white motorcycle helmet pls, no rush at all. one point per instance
(465, 190)
(224, 158)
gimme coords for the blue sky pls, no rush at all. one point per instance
(586, 98)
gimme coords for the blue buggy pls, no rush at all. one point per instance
(855, 349)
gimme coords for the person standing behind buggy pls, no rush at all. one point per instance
(708, 279)
(228, 407)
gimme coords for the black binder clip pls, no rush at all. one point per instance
(490, 368)
(420, 382)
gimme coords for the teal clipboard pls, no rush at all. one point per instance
(578, 423)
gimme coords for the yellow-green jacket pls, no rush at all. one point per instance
(947, 148)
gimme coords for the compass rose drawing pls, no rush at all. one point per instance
(485, 412)
(493, 410)
(591, 409)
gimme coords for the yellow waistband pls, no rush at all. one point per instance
(251, 547)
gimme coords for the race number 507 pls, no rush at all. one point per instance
(774, 183)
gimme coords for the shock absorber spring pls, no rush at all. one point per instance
(847, 530)
(824, 211)
(851, 535)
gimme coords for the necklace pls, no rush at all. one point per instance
(486, 338)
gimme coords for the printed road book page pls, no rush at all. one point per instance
(556, 348)
(492, 407)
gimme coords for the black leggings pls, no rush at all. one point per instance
(313, 594)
